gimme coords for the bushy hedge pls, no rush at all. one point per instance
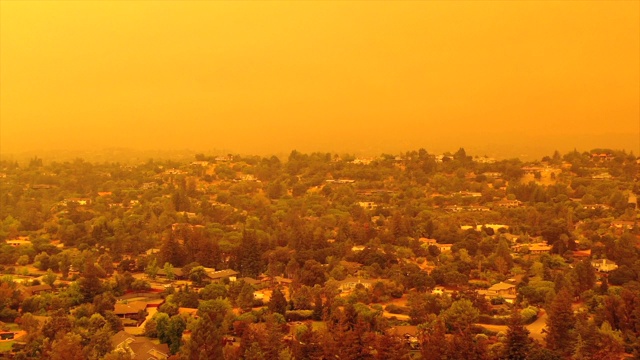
(299, 315)
(529, 315)
(395, 309)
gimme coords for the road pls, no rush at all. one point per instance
(535, 328)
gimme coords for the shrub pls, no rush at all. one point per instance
(395, 309)
(299, 315)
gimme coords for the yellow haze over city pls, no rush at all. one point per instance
(267, 77)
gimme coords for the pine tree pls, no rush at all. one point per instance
(517, 343)
(317, 307)
(561, 324)
(249, 254)
(389, 347)
(433, 344)
(278, 303)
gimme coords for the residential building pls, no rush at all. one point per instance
(140, 348)
(604, 265)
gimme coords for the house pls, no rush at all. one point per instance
(251, 281)
(140, 348)
(602, 176)
(441, 290)
(604, 265)
(29, 291)
(367, 205)
(539, 248)
(495, 227)
(403, 331)
(200, 163)
(222, 274)
(79, 201)
(504, 203)
(453, 208)
(18, 242)
(596, 206)
(352, 267)
(426, 242)
(282, 281)
(188, 312)
(500, 290)
(129, 310)
(7, 335)
(349, 284)
(444, 247)
(357, 248)
(469, 194)
(477, 208)
(149, 186)
(407, 332)
(178, 274)
(582, 254)
(511, 237)
(492, 175)
(619, 224)
(484, 160)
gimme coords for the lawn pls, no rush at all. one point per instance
(5, 346)
(11, 327)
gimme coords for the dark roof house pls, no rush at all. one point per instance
(140, 348)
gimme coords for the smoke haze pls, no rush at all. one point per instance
(501, 78)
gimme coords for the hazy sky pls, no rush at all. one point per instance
(265, 77)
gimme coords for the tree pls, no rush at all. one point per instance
(213, 291)
(560, 324)
(58, 325)
(171, 251)
(106, 263)
(245, 298)
(318, 308)
(169, 271)
(461, 315)
(23, 260)
(152, 269)
(517, 342)
(249, 254)
(278, 303)
(208, 331)
(198, 275)
(173, 332)
(433, 343)
(389, 347)
(100, 341)
(312, 273)
(585, 276)
(89, 283)
(104, 302)
(50, 278)
(68, 347)
(421, 306)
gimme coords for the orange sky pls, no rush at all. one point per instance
(264, 77)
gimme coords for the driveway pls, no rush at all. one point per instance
(535, 328)
(139, 330)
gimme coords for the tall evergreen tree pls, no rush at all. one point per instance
(517, 342)
(561, 324)
(278, 303)
(249, 254)
(433, 343)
